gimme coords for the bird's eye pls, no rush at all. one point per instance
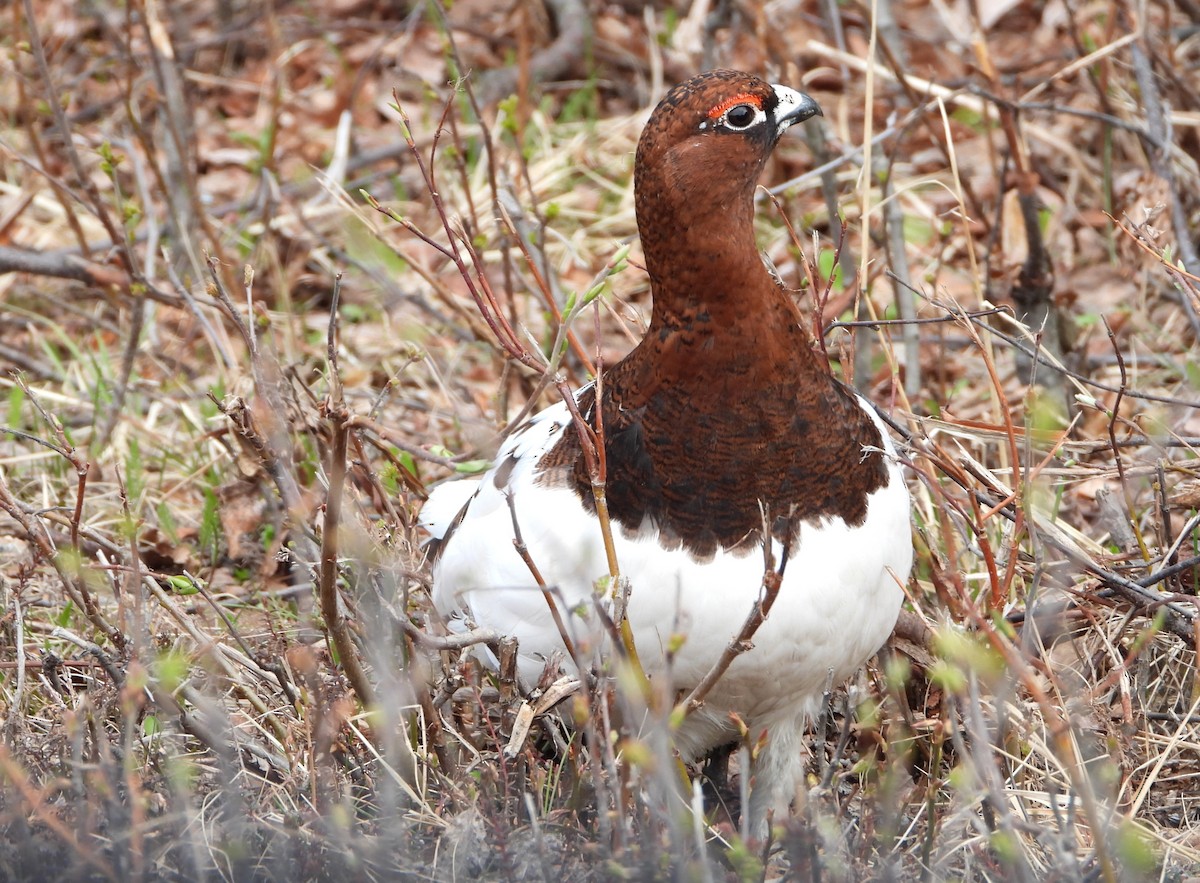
(740, 117)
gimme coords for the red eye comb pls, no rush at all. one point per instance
(743, 98)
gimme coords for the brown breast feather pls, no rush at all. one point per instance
(722, 410)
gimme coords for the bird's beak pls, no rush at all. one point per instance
(793, 107)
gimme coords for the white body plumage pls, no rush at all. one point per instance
(837, 604)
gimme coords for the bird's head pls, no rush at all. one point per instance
(704, 147)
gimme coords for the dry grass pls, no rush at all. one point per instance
(219, 658)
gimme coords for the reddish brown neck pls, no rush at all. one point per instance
(714, 303)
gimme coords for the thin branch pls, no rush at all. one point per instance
(523, 551)
(771, 582)
(331, 606)
(62, 265)
(1112, 439)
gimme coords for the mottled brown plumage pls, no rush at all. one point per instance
(723, 409)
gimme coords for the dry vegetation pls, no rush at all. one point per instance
(242, 337)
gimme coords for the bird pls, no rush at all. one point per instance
(725, 435)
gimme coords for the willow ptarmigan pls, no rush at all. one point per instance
(721, 413)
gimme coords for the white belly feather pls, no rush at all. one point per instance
(838, 601)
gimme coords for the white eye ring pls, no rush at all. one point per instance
(758, 118)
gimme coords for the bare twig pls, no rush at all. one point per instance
(331, 605)
(1112, 438)
(555, 613)
(70, 453)
(741, 642)
(62, 265)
